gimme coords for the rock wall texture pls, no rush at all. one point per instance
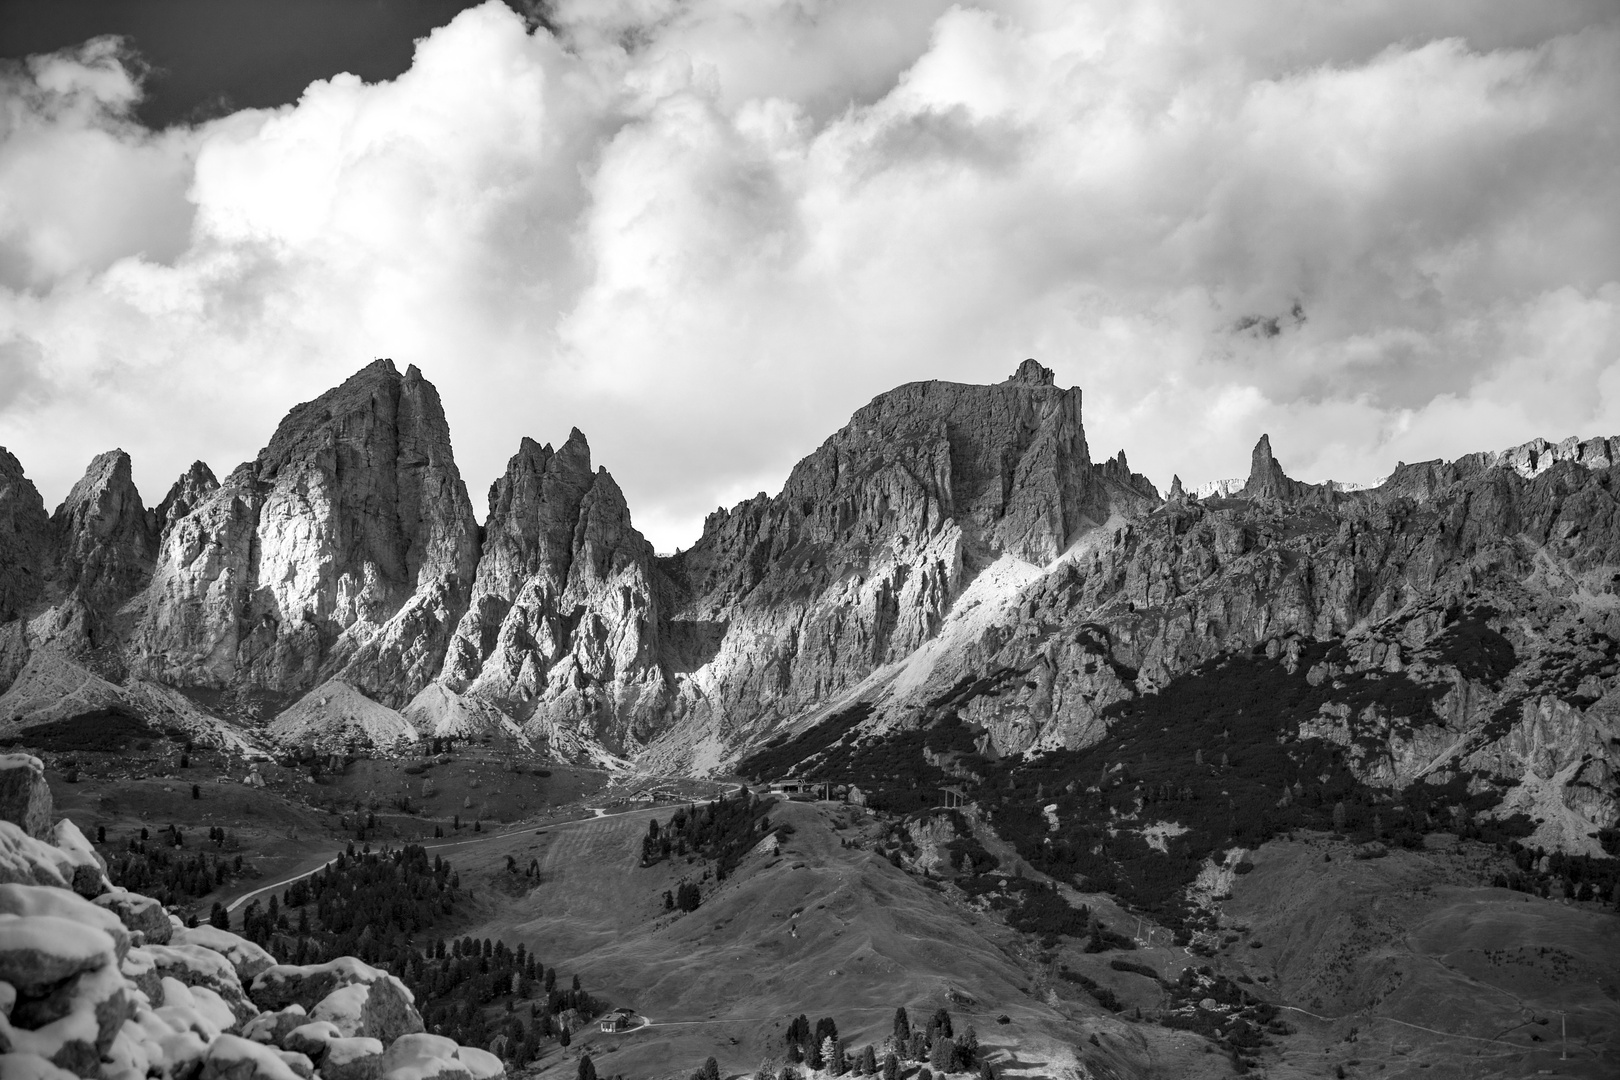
(952, 547)
(25, 539)
(789, 601)
(563, 629)
(348, 546)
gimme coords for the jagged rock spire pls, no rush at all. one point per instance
(104, 542)
(193, 486)
(1032, 373)
(1266, 477)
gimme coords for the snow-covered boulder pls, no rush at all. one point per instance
(118, 989)
(336, 1056)
(248, 959)
(139, 914)
(434, 1057)
(194, 965)
(380, 1009)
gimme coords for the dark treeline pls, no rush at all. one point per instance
(722, 831)
(382, 908)
(161, 866)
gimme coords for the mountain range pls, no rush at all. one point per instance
(952, 549)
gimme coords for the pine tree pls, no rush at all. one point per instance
(967, 1048)
(832, 1055)
(587, 1068)
(217, 917)
(902, 1026)
(710, 1070)
(891, 1067)
(942, 1053)
(869, 1065)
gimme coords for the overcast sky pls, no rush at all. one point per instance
(706, 231)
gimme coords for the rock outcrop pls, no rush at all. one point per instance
(25, 797)
(25, 539)
(789, 602)
(348, 546)
(87, 990)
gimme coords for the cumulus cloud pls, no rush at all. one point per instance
(706, 232)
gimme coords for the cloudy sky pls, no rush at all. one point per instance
(706, 231)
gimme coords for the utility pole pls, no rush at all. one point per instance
(1563, 1037)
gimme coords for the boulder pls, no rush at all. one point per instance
(273, 1027)
(25, 797)
(380, 1009)
(27, 861)
(230, 1057)
(338, 1057)
(35, 900)
(139, 914)
(288, 984)
(248, 959)
(194, 965)
(417, 1057)
(89, 871)
(41, 952)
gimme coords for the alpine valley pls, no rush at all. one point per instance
(1315, 779)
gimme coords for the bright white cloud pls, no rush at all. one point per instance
(706, 232)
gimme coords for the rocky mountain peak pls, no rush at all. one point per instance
(563, 624)
(103, 539)
(25, 538)
(1032, 373)
(350, 535)
(194, 485)
(1266, 477)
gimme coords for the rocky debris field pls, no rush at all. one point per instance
(97, 981)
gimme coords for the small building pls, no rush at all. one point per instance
(802, 790)
(618, 1020)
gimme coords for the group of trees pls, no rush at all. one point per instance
(936, 1044)
(686, 896)
(722, 831)
(382, 907)
(1560, 875)
(160, 869)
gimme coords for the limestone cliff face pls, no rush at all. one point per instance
(563, 629)
(25, 539)
(348, 546)
(1488, 596)
(791, 601)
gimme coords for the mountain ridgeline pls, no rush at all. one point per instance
(952, 558)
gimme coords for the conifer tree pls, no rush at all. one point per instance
(587, 1068)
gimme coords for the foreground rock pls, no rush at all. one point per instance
(25, 797)
(89, 989)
